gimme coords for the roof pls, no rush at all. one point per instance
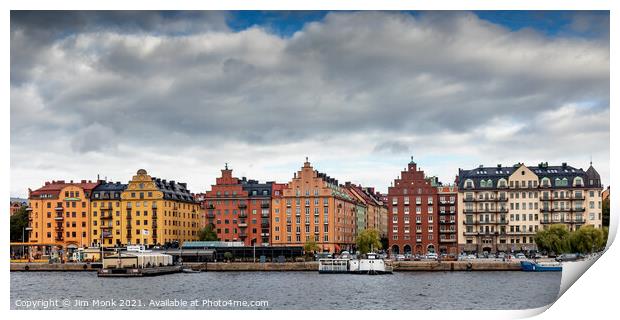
(542, 170)
(54, 187)
(173, 190)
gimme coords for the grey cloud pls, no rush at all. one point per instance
(394, 147)
(93, 138)
(176, 82)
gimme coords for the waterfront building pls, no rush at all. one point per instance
(313, 206)
(605, 194)
(107, 222)
(502, 208)
(412, 209)
(375, 210)
(158, 212)
(239, 209)
(60, 213)
(447, 196)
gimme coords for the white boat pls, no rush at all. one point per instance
(370, 265)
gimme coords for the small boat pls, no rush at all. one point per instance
(370, 265)
(137, 264)
(540, 266)
(189, 270)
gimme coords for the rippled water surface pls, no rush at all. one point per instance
(294, 290)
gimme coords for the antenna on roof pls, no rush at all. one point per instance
(590, 160)
(226, 165)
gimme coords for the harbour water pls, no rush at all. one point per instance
(286, 290)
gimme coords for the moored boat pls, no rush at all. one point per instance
(137, 264)
(540, 266)
(370, 265)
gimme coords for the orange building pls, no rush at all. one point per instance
(312, 206)
(60, 214)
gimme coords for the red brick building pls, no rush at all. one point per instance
(412, 213)
(239, 209)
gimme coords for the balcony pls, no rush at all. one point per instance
(472, 233)
(212, 215)
(469, 223)
(242, 205)
(59, 218)
(447, 221)
(243, 235)
(210, 206)
(58, 228)
(58, 208)
(242, 224)
(105, 227)
(447, 240)
(264, 205)
(28, 209)
(107, 208)
(502, 222)
(264, 225)
(446, 231)
(581, 197)
(578, 209)
(469, 199)
(105, 216)
(243, 215)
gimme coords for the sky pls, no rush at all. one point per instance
(182, 93)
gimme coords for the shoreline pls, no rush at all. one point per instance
(405, 266)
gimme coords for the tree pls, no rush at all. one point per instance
(553, 239)
(311, 246)
(368, 240)
(207, 234)
(606, 212)
(587, 239)
(228, 256)
(19, 221)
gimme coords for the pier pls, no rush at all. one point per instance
(399, 266)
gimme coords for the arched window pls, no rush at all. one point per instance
(469, 183)
(558, 182)
(483, 184)
(502, 183)
(564, 182)
(489, 183)
(578, 182)
(545, 182)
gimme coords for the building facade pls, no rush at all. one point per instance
(157, 211)
(60, 213)
(412, 209)
(448, 226)
(313, 206)
(239, 209)
(502, 208)
(375, 210)
(107, 222)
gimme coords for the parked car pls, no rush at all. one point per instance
(551, 255)
(400, 257)
(567, 257)
(500, 255)
(520, 256)
(431, 256)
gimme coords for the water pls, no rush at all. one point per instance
(291, 290)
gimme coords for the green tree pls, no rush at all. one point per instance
(587, 239)
(555, 238)
(606, 212)
(19, 221)
(228, 256)
(207, 234)
(310, 246)
(368, 240)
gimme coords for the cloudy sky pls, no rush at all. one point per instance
(181, 93)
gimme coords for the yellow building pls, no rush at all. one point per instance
(107, 221)
(155, 211)
(59, 214)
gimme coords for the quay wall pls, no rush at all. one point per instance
(399, 266)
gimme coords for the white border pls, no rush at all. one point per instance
(593, 295)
